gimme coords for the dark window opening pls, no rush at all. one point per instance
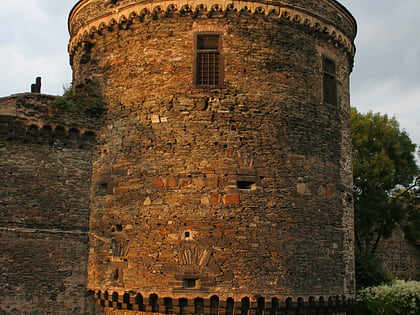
(198, 306)
(139, 302)
(168, 305)
(214, 305)
(189, 283)
(187, 234)
(245, 306)
(208, 68)
(103, 188)
(329, 81)
(183, 306)
(153, 302)
(230, 305)
(245, 184)
(260, 306)
(116, 275)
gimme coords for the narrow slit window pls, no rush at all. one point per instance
(329, 81)
(208, 67)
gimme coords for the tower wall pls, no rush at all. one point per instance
(240, 192)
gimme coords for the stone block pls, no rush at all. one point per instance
(231, 199)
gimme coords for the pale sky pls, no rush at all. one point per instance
(386, 76)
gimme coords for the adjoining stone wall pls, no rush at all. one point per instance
(401, 258)
(44, 200)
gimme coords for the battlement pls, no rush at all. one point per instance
(31, 118)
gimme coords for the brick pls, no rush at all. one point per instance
(158, 183)
(231, 199)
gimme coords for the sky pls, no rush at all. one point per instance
(385, 79)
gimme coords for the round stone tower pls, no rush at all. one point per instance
(222, 178)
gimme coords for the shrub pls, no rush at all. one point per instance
(62, 102)
(370, 271)
(400, 297)
(82, 98)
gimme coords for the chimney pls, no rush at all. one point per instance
(36, 88)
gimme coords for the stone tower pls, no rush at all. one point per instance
(222, 178)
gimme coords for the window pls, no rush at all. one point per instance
(329, 81)
(246, 185)
(208, 60)
(189, 283)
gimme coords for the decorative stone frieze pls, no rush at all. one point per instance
(86, 21)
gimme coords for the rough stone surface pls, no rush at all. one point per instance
(401, 257)
(44, 183)
(229, 200)
(170, 217)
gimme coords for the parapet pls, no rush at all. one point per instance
(31, 118)
(328, 17)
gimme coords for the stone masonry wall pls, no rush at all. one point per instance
(169, 207)
(401, 257)
(44, 200)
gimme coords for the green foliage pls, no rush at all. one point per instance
(62, 102)
(370, 271)
(397, 298)
(383, 162)
(410, 224)
(84, 99)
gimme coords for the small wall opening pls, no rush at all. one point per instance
(260, 306)
(249, 185)
(230, 305)
(139, 302)
(153, 303)
(189, 283)
(214, 305)
(168, 305)
(183, 306)
(245, 306)
(198, 306)
(274, 306)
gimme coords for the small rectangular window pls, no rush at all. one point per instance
(189, 283)
(208, 60)
(329, 81)
(246, 185)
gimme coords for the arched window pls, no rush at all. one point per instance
(274, 306)
(168, 305)
(153, 303)
(199, 306)
(230, 306)
(245, 306)
(260, 306)
(139, 302)
(183, 306)
(214, 305)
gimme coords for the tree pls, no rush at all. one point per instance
(384, 171)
